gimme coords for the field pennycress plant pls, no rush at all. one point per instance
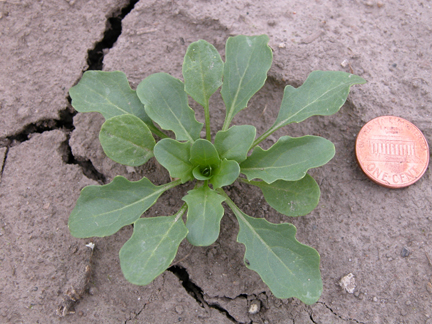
(289, 268)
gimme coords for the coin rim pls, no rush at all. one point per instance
(378, 181)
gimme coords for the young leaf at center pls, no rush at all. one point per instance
(206, 159)
(225, 174)
(205, 212)
(152, 247)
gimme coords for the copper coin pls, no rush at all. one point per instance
(392, 151)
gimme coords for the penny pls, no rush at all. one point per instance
(392, 152)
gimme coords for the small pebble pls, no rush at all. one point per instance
(80, 313)
(254, 307)
(405, 252)
(179, 310)
(271, 22)
(429, 287)
(344, 63)
(92, 291)
(348, 283)
(375, 299)
(408, 302)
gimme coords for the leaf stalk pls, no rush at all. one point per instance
(263, 137)
(158, 132)
(207, 121)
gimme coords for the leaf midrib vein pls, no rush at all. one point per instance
(262, 241)
(306, 106)
(173, 114)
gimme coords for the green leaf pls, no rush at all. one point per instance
(167, 104)
(291, 198)
(152, 247)
(226, 174)
(323, 93)
(248, 59)
(202, 173)
(204, 153)
(205, 212)
(202, 71)
(288, 268)
(103, 210)
(175, 157)
(108, 93)
(126, 139)
(289, 159)
(234, 143)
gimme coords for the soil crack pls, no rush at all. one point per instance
(312, 319)
(344, 319)
(136, 314)
(112, 32)
(197, 293)
(3, 162)
(65, 123)
(87, 166)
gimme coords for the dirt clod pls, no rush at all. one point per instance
(347, 282)
(254, 307)
(405, 252)
(76, 291)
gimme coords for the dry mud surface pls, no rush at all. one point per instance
(48, 153)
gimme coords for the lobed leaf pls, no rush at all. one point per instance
(288, 268)
(175, 157)
(166, 103)
(323, 93)
(202, 71)
(152, 247)
(289, 159)
(291, 198)
(225, 174)
(248, 59)
(127, 140)
(108, 93)
(103, 210)
(205, 212)
(234, 143)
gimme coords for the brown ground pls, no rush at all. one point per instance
(380, 235)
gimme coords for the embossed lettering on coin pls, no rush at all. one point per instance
(392, 151)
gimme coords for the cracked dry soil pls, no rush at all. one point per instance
(48, 153)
